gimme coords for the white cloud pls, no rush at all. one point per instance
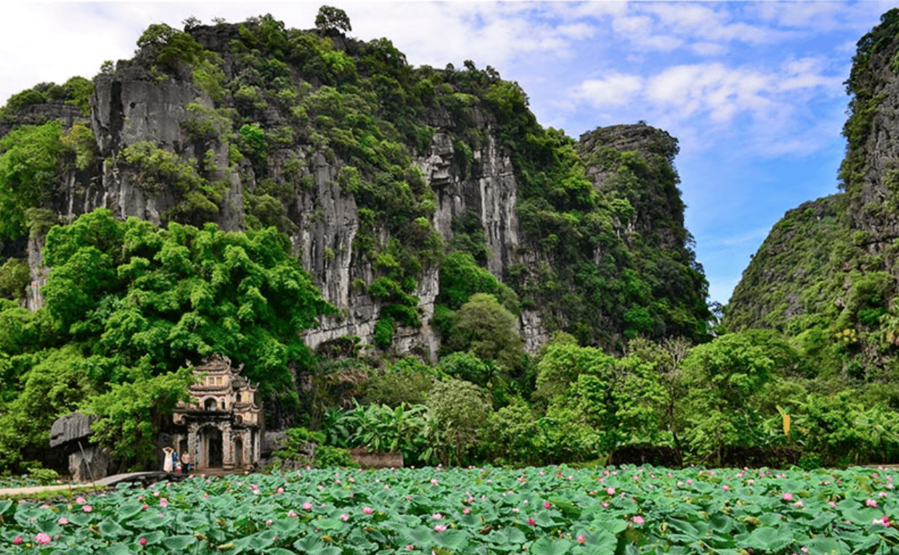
(615, 90)
(767, 108)
(708, 48)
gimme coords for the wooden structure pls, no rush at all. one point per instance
(222, 425)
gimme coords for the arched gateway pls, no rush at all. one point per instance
(222, 424)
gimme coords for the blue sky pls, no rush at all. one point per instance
(753, 90)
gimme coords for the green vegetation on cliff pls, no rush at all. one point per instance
(313, 141)
(826, 275)
(127, 302)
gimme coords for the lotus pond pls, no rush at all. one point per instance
(552, 510)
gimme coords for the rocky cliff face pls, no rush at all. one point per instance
(792, 270)
(870, 172)
(374, 170)
(828, 273)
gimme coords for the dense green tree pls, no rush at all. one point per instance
(131, 303)
(457, 411)
(489, 331)
(726, 380)
(29, 170)
(330, 18)
(182, 293)
(130, 415)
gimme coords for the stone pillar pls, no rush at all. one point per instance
(192, 448)
(227, 447)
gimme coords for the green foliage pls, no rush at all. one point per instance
(457, 412)
(24, 99)
(41, 386)
(170, 47)
(468, 367)
(130, 415)
(489, 331)
(183, 293)
(78, 91)
(406, 381)
(158, 170)
(510, 435)
(79, 143)
(841, 431)
(798, 251)
(330, 18)
(726, 380)
(300, 441)
(30, 158)
(43, 476)
(383, 336)
(561, 364)
(608, 402)
(14, 278)
(461, 277)
(329, 457)
(382, 429)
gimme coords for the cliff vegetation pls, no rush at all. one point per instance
(405, 259)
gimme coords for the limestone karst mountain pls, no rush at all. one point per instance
(375, 170)
(826, 274)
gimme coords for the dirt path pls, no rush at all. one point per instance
(107, 482)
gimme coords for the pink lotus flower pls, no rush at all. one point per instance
(638, 520)
(788, 497)
(367, 510)
(798, 504)
(163, 502)
(280, 490)
(81, 500)
(883, 521)
(581, 539)
(144, 507)
(291, 513)
(17, 540)
(63, 521)
(531, 522)
(440, 528)
(142, 541)
(344, 517)
(871, 503)
(410, 547)
(725, 487)
(434, 481)
(605, 504)
(87, 508)
(547, 505)
(307, 506)
(610, 491)
(832, 504)
(268, 522)
(42, 538)
(436, 516)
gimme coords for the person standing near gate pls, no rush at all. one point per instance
(167, 453)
